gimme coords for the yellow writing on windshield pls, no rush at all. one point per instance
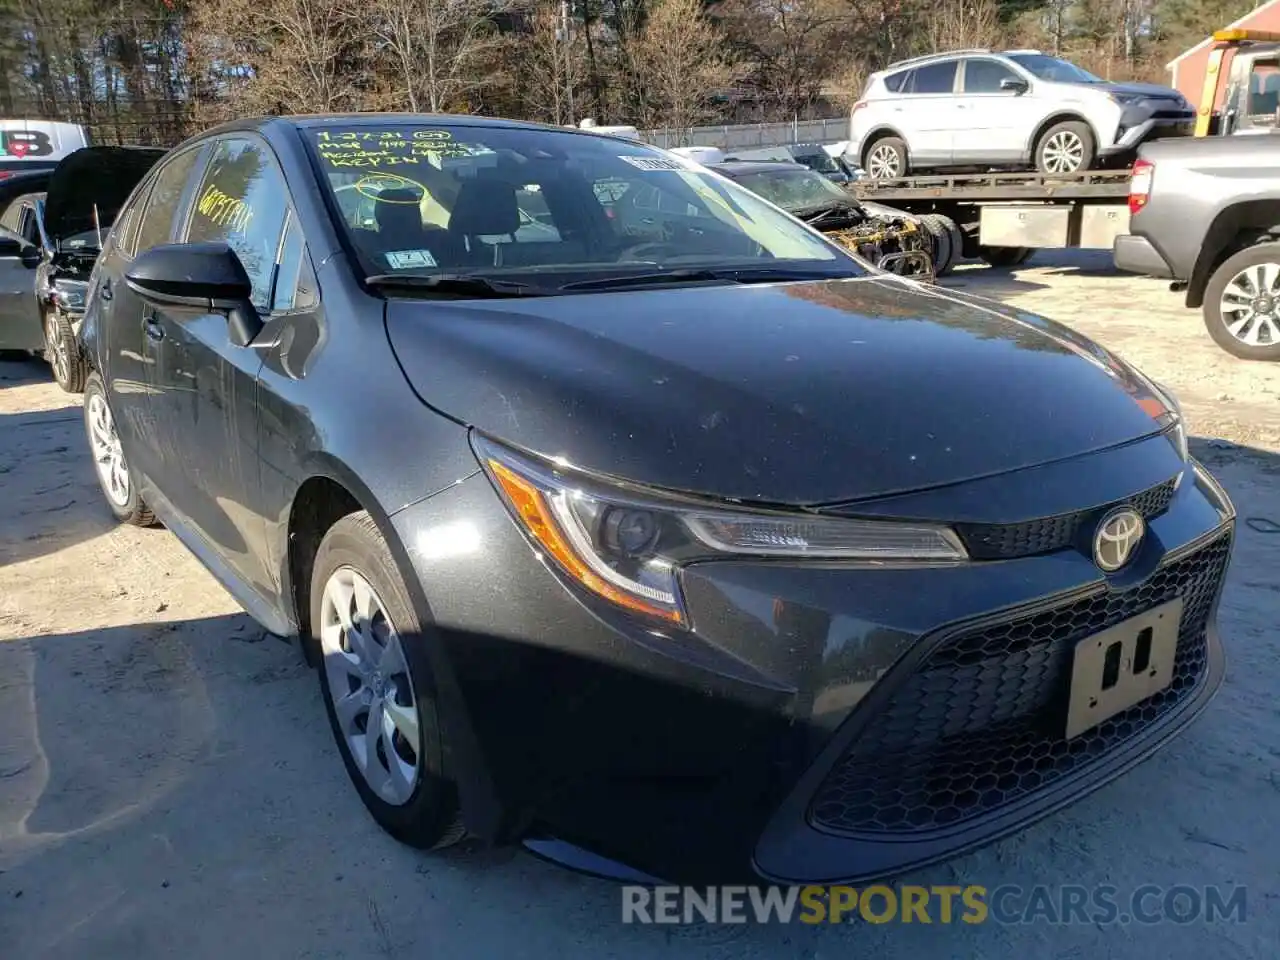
(387, 148)
(375, 186)
(224, 210)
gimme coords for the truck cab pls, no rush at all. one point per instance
(1244, 69)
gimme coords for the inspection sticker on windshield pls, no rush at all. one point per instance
(653, 163)
(408, 259)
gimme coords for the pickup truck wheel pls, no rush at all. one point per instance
(1066, 147)
(936, 227)
(886, 159)
(1004, 256)
(1242, 303)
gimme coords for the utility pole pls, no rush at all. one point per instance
(566, 38)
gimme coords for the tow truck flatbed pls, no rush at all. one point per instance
(1100, 185)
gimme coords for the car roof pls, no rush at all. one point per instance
(315, 121)
(732, 168)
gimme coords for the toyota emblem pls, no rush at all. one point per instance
(1117, 538)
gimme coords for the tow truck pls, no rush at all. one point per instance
(1003, 218)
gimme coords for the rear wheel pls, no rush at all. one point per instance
(1066, 147)
(378, 687)
(117, 484)
(1242, 303)
(1005, 256)
(886, 159)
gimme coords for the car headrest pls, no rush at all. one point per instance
(398, 211)
(485, 208)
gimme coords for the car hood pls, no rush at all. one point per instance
(101, 176)
(1153, 90)
(801, 393)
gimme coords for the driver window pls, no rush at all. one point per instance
(241, 201)
(1264, 93)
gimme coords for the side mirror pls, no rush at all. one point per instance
(208, 277)
(1015, 84)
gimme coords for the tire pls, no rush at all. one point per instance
(936, 226)
(1004, 256)
(1065, 148)
(886, 159)
(957, 243)
(423, 812)
(118, 487)
(62, 352)
(1260, 262)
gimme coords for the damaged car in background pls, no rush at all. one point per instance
(85, 192)
(890, 239)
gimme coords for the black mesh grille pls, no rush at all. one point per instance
(1005, 541)
(980, 723)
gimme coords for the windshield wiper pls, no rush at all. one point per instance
(467, 284)
(699, 275)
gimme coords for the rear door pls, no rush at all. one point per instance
(19, 312)
(129, 355)
(926, 112)
(996, 124)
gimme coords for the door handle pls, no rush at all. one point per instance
(106, 289)
(152, 329)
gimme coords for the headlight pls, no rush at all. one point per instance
(627, 545)
(70, 294)
(1125, 98)
(1172, 419)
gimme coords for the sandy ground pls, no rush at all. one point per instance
(168, 787)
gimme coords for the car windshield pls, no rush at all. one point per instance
(794, 189)
(86, 242)
(822, 162)
(424, 200)
(1052, 69)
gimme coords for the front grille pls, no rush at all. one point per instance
(980, 722)
(1007, 541)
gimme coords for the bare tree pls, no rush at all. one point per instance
(555, 60)
(438, 47)
(683, 63)
(790, 45)
(282, 56)
(963, 24)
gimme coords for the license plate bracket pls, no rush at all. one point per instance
(1122, 665)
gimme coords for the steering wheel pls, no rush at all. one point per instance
(657, 248)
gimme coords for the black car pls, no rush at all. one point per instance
(891, 239)
(54, 221)
(680, 545)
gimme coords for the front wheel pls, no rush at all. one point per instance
(117, 483)
(1242, 303)
(62, 352)
(378, 687)
(1066, 147)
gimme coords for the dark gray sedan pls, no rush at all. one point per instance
(666, 538)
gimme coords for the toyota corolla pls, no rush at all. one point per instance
(627, 517)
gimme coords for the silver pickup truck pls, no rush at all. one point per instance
(1206, 213)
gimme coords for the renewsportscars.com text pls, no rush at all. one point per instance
(972, 904)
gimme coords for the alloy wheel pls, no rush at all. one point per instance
(883, 163)
(108, 456)
(369, 686)
(1250, 305)
(1063, 152)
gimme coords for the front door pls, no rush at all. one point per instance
(998, 123)
(206, 390)
(19, 312)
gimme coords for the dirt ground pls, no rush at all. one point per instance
(168, 786)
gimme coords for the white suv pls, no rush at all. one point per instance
(1013, 108)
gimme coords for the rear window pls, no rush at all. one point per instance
(893, 82)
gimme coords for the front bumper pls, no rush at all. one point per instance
(741, 748)
(1135, 254)
(1135, 131)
